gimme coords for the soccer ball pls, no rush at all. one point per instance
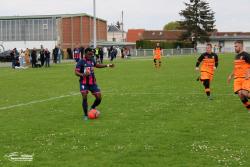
(93, 114)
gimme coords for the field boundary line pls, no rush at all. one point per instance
(116, 93)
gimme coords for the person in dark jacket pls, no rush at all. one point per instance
(13, 58)
(42, 56)
(55, 54)
(47, 57)
(33, 58)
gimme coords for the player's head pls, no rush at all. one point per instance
(88, 53)
(238, 46)
(209, 48)
(157, 44)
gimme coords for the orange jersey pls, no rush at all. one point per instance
(157, 53)
(208, 61)
(240, 68)
(208, 65)
(241, 65)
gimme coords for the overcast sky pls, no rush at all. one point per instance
(149, 14)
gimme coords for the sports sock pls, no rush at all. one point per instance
(85, 107)
(96, 103)
(246, 102)
(206, 85)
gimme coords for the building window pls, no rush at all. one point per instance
(45, 26)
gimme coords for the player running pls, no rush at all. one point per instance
(209, 62)
(157, 55)
(85, 70)
(241, 74)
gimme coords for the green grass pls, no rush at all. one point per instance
(149, 117)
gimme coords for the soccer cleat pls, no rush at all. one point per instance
(85, 118)
(210, 98)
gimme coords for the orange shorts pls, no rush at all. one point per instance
(157, 57)
(241, 84)
(206, 75)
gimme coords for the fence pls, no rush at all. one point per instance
(183, 51)
(165, 52)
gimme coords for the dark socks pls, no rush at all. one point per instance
(207, 86)
(85, 106)
(246, 103)
(96, 103)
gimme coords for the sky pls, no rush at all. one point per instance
(146, 14)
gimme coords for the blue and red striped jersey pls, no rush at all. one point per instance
(77, 53)
(83, 65)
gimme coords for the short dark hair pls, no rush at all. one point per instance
(209, 44)
(239, 42)
(87, 50)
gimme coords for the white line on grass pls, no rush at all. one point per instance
(114, 93)
(38, 101)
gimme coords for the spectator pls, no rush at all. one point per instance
(97, 55)
(70, 54)
(21, 58)
(33, 58)
(60, 54)
(13, 58)
(82, 50)
(55, 54)
(77, 54)
(47, 57)
(42, 56)
(101, 53)
(27, 56)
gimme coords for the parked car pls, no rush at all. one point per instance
(5, 56)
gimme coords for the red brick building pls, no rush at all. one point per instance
(134, 35)
(77, 29)
(153, 35)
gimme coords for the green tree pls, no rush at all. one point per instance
(198, 21)
(173, 25)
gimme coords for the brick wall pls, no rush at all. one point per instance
(79, 31)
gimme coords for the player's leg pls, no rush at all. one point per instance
(159, 62)
(98, 100)
(243, 95)
(155, 62)
(206, 84)
(85, 104)
(98, 96)
(84, 92)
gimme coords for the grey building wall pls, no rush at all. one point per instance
(28, 29)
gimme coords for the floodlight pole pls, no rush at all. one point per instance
(94, 28)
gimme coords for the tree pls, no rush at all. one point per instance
(198, 21)
(173, 25)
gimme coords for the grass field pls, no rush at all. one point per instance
(149, 117)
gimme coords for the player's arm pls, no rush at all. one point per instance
(216, 59)
(247, 59)
(104, 65)
(230, 77)
(78, 73)
(199, 62)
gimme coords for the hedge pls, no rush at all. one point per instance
(144, 44)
